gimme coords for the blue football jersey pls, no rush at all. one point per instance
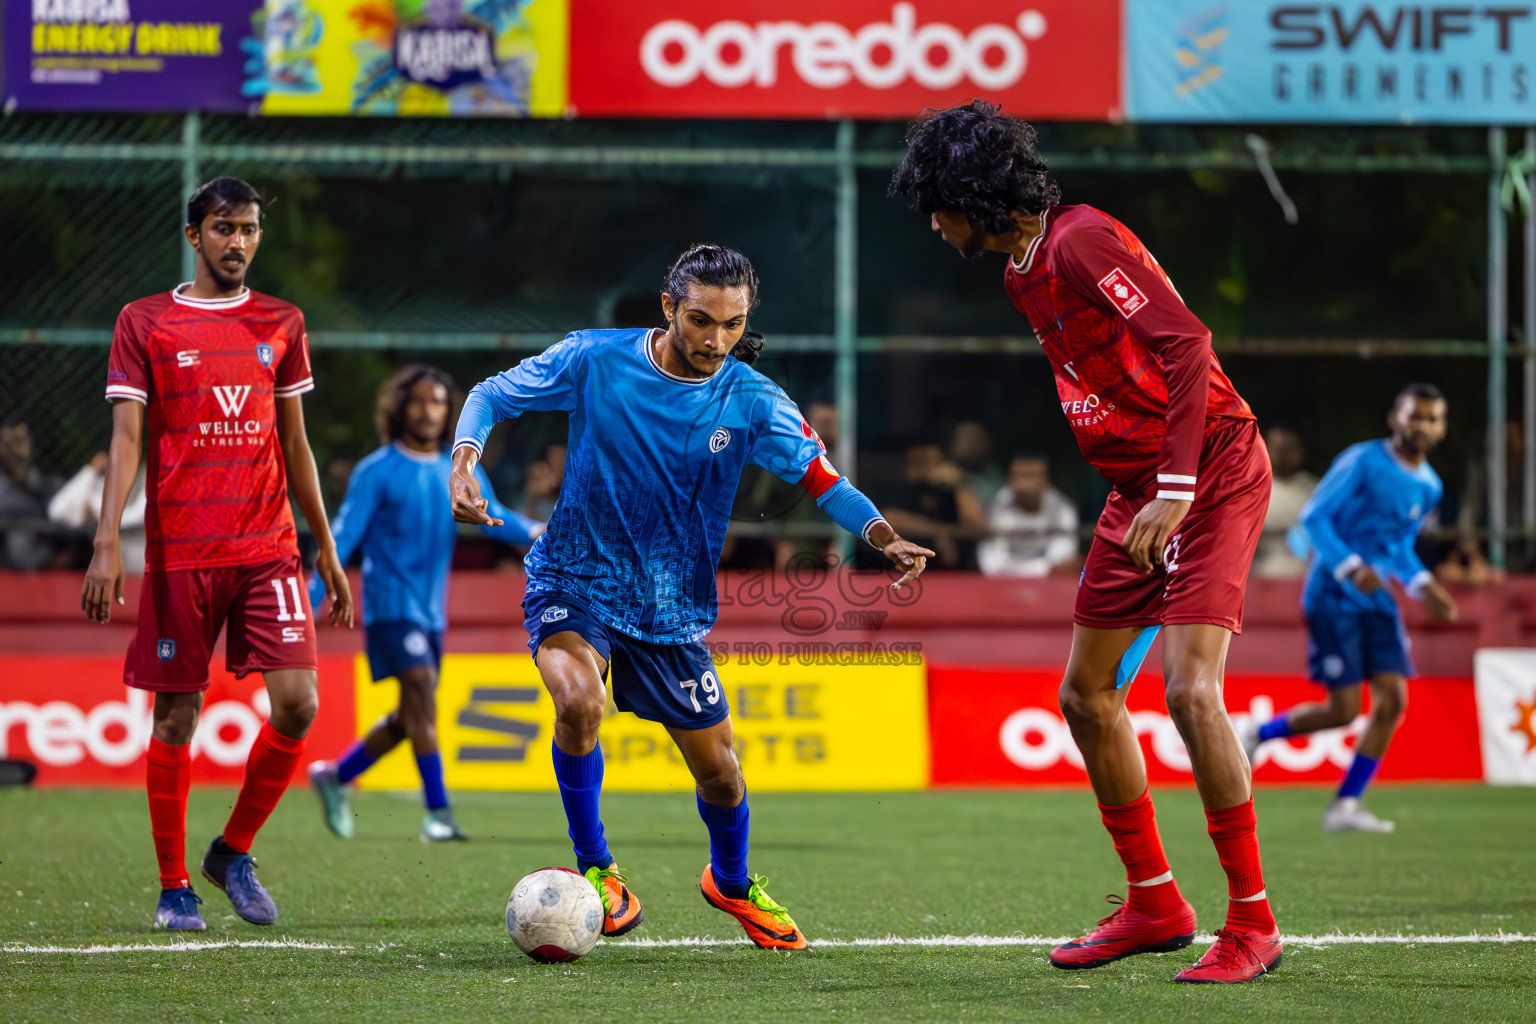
(398, 513)
(651, 471)
(1368, 509)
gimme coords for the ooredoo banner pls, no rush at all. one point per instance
(1051, 59)
(76, 720)
(1003, 727)
(801, 724)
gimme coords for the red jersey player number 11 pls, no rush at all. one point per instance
(206, 379)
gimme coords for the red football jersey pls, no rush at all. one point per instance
(1138, 380)
(210, 372)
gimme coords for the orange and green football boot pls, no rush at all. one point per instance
(767, 924)
(622, 913)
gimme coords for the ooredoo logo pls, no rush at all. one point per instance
(828, 54)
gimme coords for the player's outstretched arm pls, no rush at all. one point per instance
(849, 508)
(516, 528)
(304, 483)
(104, 578)
(464, 489)
(911, 558)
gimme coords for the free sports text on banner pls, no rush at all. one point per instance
(1350, 62)
(1044, 59)
(798, 728)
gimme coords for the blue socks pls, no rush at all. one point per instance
(581, 787)
(353, 763)
(728, 828)
(1361, 770)
(1274, 729)
(432, 790)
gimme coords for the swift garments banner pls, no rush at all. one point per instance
(1001, 727)
(1053, 59)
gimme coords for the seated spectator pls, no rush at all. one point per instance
(803, 515)
(970, 448)
(541, 484)
(1033, 526)
(1291, 488)
(934, 507)
(24, 494)
(1460, 556)
(78, 505)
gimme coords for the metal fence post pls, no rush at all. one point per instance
(846, 306)
(191, 136)
(1528, 465)
(1498, 305)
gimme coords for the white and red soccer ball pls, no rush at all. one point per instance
(555, 915)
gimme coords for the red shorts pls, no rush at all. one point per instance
(1206, 562)
(181, 612)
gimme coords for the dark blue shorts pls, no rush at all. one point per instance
(395, 647)
(674, 684)
(1348, 645)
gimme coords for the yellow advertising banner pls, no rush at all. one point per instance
(859, 726)
(411, 58)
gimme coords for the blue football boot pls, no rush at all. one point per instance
(235, 873)
(177, 911)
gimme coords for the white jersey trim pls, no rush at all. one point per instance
(228, 303)
(303, 387)
(1034, 247)
(1175, 478)
(651, 358)
(1346, 568)
(1176, 495)
(124, 391)
(414, 455)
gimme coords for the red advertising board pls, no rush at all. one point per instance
(76, 720)
(1003, 727)
(1048, 59)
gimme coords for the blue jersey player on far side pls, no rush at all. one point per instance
(662, 424)
(396, 511)
(1362, 522)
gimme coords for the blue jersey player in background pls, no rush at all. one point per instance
(396, 512)
(662, 424)
(1362, 522)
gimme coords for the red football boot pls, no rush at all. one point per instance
(1238, 955)
(1126, 933)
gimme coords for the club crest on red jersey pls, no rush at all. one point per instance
(166, 649)
(264, 353)
(1122, 292)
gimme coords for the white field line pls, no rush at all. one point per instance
(948, 941)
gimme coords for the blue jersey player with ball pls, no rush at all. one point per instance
(1362, 522)
(622, 584)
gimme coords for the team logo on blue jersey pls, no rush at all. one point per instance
(415, 644)
(719, 439)
(166, 649)
(553, 615)
(264, 353)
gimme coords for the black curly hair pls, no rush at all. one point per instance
(715, 266)
(978, 161)
(395, 393)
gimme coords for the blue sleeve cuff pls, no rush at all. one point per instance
(849, 508)
(475, 421)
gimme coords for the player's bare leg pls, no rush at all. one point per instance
(1154, 917)
(722, 799)
(167, 779)
(274, 756)
(1194, 658)
(1389, 703)
(418, 717)
(573, 671)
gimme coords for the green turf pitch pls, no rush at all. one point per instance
(422, 935)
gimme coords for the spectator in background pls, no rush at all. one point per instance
(1291, 487)
(1462, 557)
(970, 448)
(541, 485)
(24, 494)
(934, 507)
(1033, 526)
(78, 505)
(824, 419)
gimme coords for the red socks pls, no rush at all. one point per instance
(1133, 827)
(1234, 831)
(267, 773)
(167, 780)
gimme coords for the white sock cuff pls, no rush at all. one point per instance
(1262, 894)
(1166, 876)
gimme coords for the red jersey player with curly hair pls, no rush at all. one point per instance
(215, 371)
(1152, 410)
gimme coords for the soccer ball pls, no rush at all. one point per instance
(555, 915)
